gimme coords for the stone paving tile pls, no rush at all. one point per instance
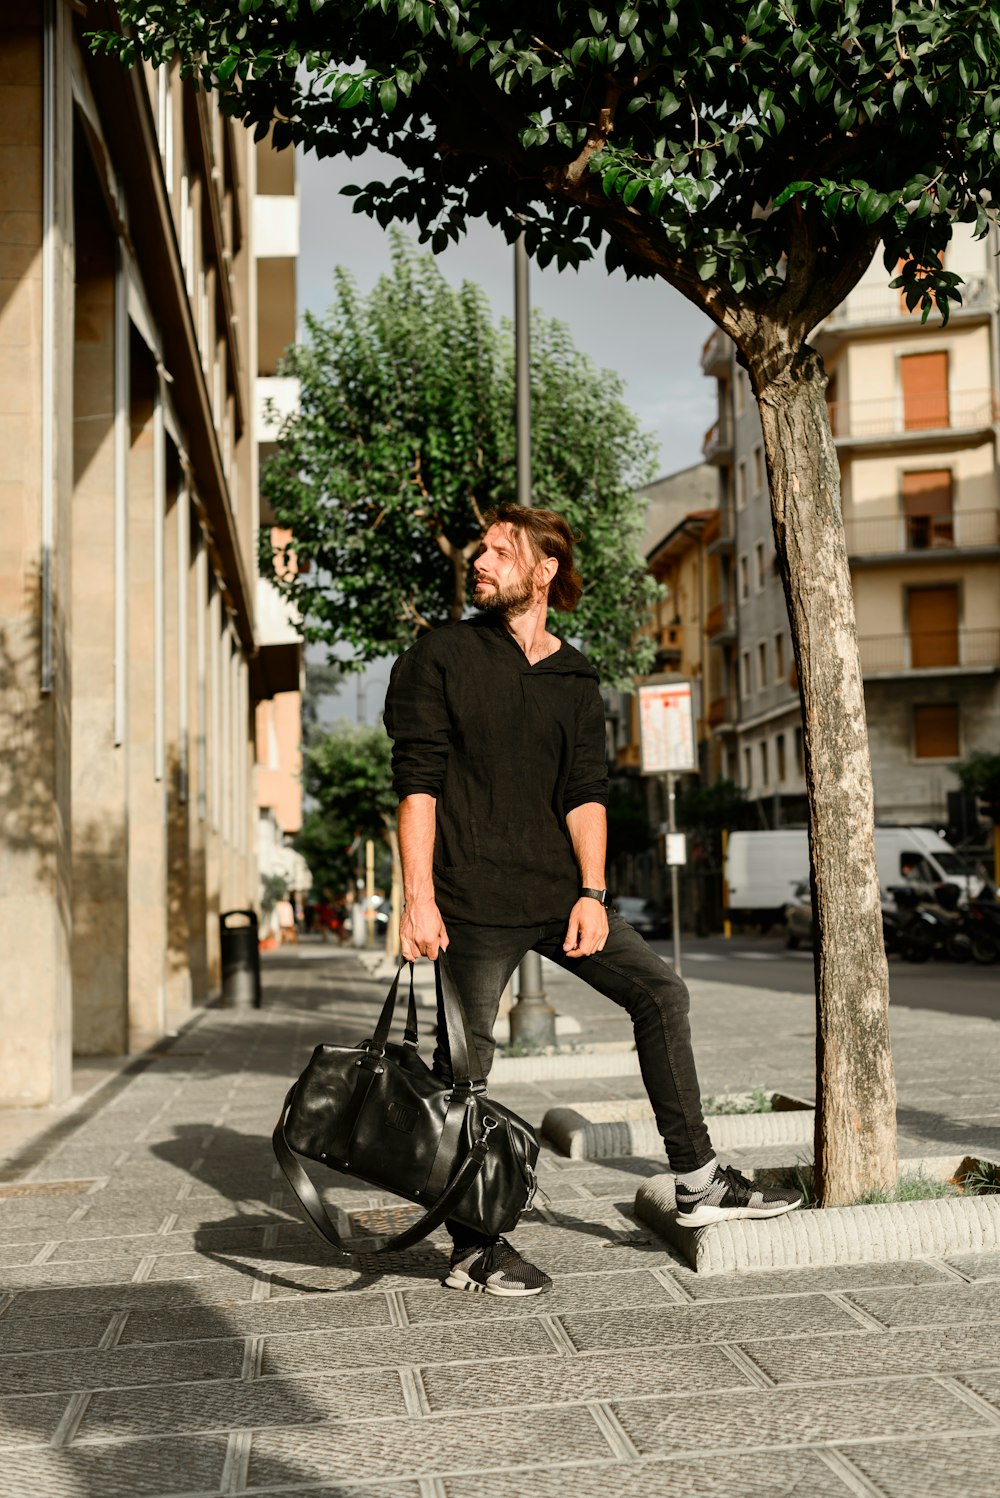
(389, 1346)
(100, 1224)
(787, 1417)
(232, 1404)
(986, 1385)
(92, 1368)
(928, 1305)
(30, 1420)
(87, 1298)
(41, 1333)
(588, 1376)
(861, 1354)
(977, 1266)
(932, 1469)
(14, 1255)
(99, 1272)
(316, 1313)
(786, 1474)
(204, 1240)
(126, 1469)
(352, 1490)
(511, 1438)
(569, 1293)
(802, 1281)
(591, 1331)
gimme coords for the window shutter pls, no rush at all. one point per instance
(935, 731)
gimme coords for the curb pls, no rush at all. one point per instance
(837, 1235)
(594, 1131)
(574, 1064)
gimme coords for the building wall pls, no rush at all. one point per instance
(130, 662)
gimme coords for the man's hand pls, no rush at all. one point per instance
(421, 931)
(588, 928)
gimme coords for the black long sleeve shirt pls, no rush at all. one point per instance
(507, 749)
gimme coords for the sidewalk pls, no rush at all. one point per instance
(168, 1326)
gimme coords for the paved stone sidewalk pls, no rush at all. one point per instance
(168, 1327)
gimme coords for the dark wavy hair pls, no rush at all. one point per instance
(547, 535)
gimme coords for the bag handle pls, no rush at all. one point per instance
(312, 1204)
(466, 1067)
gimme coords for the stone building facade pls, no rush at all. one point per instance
(914, 409)
(132, 655)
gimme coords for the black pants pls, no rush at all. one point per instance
(484, 958)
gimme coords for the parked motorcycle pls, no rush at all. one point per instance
(924, 928)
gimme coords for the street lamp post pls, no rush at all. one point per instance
(531, 1018)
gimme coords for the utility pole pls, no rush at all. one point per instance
(675, 903)
(531, 1017)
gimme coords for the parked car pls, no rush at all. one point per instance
(645, 916)
(799, 917)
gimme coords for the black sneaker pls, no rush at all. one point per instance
(731, 1195)
(497, 1269)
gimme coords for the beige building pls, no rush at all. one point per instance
(914, 411)
(147, 272)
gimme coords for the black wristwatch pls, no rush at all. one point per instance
(600, 895)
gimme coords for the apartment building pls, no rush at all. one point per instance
(914, 411)
(136, 314)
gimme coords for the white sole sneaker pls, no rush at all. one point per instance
(704, 1216)
(459, 1280)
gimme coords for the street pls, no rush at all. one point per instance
(765, 962)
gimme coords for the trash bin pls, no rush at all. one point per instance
(240, 959)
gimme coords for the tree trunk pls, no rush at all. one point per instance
(855, 1084)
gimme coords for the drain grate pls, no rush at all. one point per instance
(45, 1188)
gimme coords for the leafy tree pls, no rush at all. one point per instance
(752, 154)
(325, 843)
(347, 773)
(405, 437)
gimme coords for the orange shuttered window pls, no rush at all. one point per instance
(933, 617)
(935, 731)
(927, 506)
(924, 379)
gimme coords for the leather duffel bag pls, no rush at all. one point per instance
(378, 1112)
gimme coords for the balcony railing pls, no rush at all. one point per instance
(718, 440)
(957, 411)
(875, 304)
(721, 710)
(715, 353)
(720, 621)
(870, 535)
(929, 650)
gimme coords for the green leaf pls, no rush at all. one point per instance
(579, 47)
(598, 21)
(627, 20)
(227, 67)
(352, 95)
(632, 191)
(609, 179)
(790, 191)
(387, 96)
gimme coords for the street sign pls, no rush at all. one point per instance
(676, 849)
(666, 728)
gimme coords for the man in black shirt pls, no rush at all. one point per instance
(499, 762)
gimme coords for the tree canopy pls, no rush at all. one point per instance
(752, 154)
(403, 440)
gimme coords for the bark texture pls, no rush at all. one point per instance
(855, 1083)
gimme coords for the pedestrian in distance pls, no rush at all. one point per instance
(499, 763)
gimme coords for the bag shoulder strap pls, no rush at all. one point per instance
(310, 1201)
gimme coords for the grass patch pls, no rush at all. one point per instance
(757, 1101)
(981, 1178)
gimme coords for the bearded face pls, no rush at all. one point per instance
(504, 574)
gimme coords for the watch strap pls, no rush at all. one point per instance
(601, 895)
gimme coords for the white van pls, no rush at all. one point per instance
(763, 868)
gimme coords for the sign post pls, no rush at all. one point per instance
(668, 748)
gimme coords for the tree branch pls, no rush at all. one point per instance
(597, 136)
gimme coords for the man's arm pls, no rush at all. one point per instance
(421, 931)
(587, 931)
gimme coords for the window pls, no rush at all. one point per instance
(932, 615)
(744, 579)
(924, 382)
(779, 657)
(927, 509)
(762, 664)
(741, 391)
(745, 674)
(935, 731)
(759, 479)
(779, 755)
(747, 770)
(741, 485)
(759, 573)
(765, 772)
(800, 761)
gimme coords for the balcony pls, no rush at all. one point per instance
(921, 535)
(950, 651)
(871, 306)
(718, 443)
(720, 625)
(934, 421)
(720, 535)
(715, 354)
(721, 713)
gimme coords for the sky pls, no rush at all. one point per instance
(646, 331)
